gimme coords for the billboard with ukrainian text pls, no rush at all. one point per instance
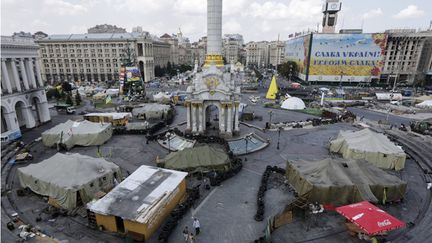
(297, 50)
(350, 57)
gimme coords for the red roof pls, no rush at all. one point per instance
(370, 218)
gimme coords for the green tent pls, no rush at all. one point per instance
(200, 158)
(343, 181)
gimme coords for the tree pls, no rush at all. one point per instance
(69, 100)
(258, 74)
(77, 98)
(288, 69)
(67, 87)
(53, 93)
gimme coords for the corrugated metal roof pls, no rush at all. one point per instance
(96, 36)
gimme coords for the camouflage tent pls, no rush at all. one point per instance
(200, 158)
(342, 181)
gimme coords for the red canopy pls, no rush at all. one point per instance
(370, 218)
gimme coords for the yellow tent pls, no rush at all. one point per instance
(273, 89)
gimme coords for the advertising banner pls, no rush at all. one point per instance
(133, 74)
(297, 50)
(350, 57)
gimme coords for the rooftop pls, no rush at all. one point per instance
(139, 195)
(96, 37)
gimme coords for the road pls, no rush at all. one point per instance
(376, 116)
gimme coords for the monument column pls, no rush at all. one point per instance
(236, 118)
(194, 118)
(188, 116)
(214, 33)
(200, 116)
(222, 119)
(229, 123)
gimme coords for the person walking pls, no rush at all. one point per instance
(191, 238)
(197, 226)
(186, 233)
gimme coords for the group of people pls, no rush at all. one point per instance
(189, 237)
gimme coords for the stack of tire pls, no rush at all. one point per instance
(216, 178)
(178, 213)
(259, 216)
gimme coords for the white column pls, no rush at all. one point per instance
(11, 120)
(24, 75)
(28, 117)
(43, 110)
(200, 116)
(31, 76)
(222, 119)
(5, 75)
(188, 116)
(229, 123)
(236, 118)
(194, 122)
(15, 75)
(38, 73)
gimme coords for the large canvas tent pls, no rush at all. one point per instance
(198, 158)
(152, 111)
(82, 133)
(342, 181)
(69, 179)
(371, 146)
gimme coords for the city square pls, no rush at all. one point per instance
(116, 136)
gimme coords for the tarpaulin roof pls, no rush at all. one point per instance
(374, 147)
(370, 218)
(63, 175)
(343, 181)
(83, 133)
(191, 158)
(141, 195)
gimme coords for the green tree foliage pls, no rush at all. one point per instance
(288, 69)
(53, 94)
(69, 100)
(258, 74)
(77, 98)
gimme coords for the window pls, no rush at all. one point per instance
(68, 70)
(107, 55)
(88, 70)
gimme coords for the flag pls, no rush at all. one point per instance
(108, 99)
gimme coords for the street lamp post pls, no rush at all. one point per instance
(279, 132)
(270, 114)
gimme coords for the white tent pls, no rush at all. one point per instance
(69, 179)
(373, 147)
(83, 133)
(161, 97)
(425, 104)
(293, 103)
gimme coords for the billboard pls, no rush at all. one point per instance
(352, 57)
(297, 50)
(133, 74)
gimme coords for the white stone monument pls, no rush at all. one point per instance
(213, 88)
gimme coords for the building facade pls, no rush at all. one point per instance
(161, 52)
(257, 54)
(93, 57)
(276, 51)
(408, 56)
(231, 50)
(24, 103)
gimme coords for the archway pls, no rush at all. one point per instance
(4, 127)
(19, 109)
(212, 118)
(37, 109)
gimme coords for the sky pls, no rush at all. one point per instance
(254, 19)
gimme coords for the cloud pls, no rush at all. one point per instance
(411, 11)
(295, 10)
(231, 26)
(372, 13)
(62, 8)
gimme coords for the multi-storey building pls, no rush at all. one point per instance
(276, 51)
(161, 52)
(231, 50)
(94, 57)
(24, 102)
(257, 54)
(174, 47)
(408, 56)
